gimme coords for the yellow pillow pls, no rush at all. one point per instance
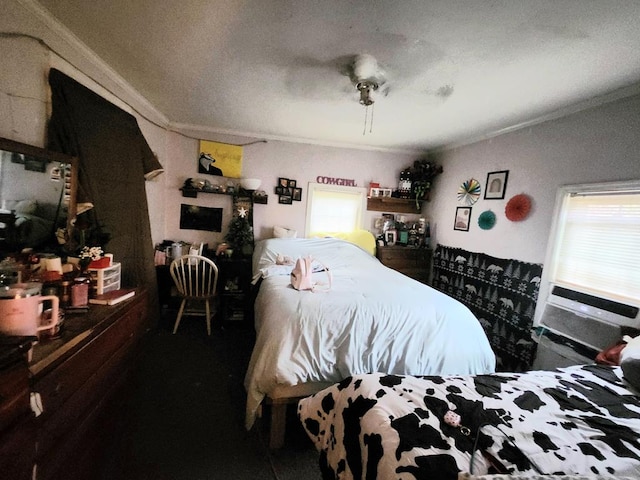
(362, 238)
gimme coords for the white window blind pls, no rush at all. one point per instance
(598, 244)
(334, 208)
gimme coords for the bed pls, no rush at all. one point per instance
(574, 421)
(372, 319)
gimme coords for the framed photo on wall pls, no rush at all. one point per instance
(286, 199)
(297, 194)
(463, 219)
(496, 185)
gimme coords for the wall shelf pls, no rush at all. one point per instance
(193, 193)
(392, 204)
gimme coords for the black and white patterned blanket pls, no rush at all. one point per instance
(581, 420)
(501, 293)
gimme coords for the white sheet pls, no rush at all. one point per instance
(373, 319)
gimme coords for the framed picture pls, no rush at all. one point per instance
(390, 237)
(291, 184)
(286, 199)
(496, 185)
(297, 194)
(463, 219)
(283, 182)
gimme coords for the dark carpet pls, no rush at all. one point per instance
(183, 415)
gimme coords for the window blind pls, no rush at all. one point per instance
(598, 248)
(335, 211)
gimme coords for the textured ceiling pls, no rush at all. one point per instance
(454, 70)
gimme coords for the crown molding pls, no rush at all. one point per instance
(181, 128)
(121, 88)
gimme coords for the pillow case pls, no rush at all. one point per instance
(283, 232)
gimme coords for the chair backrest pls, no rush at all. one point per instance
(194, 276)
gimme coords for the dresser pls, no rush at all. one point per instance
(413, 262)
(74, 382)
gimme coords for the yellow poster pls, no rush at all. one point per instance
(220, 159)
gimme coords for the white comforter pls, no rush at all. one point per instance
(373, 319)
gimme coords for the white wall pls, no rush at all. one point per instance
(595, 145)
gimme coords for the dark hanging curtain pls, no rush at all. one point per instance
(113, 160)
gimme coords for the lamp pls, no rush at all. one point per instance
(366, 73)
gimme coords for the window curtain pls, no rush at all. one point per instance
(114, 159)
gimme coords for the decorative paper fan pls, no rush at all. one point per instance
(518, 207)
(469, 192)
(487, 220)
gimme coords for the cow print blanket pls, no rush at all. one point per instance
(581, 420)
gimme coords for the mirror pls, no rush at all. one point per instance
(37, 197)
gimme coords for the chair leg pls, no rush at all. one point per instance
(208, 313)
(179, 317)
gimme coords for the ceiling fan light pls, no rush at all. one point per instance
(366, 89)
(365, 67)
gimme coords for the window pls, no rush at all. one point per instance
(595, 244)
(333, 208)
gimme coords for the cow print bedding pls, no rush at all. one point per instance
(581, 420)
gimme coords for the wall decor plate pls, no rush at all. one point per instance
(469, 192)
(518, 207)
(487, 220)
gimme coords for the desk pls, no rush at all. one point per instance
(234, 288)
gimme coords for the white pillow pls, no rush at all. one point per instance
(283, 232)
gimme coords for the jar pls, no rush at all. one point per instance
(80, 292)
(65, 293)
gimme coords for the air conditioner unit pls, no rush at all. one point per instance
(593, 321)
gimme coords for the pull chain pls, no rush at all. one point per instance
(366, 113)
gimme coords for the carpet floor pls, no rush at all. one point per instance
(183, 416)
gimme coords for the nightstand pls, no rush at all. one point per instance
(413, 262)
(234, 287)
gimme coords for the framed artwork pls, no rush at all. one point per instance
(283, 182)
(291, 184)
(297, 194)
(220, 159)
(496, 185)
(285, 199)
(463, 219)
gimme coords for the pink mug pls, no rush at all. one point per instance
(21, 311)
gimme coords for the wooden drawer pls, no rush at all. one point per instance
(57, 386)
(14, 394)
(18, 450)
(413, 262)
